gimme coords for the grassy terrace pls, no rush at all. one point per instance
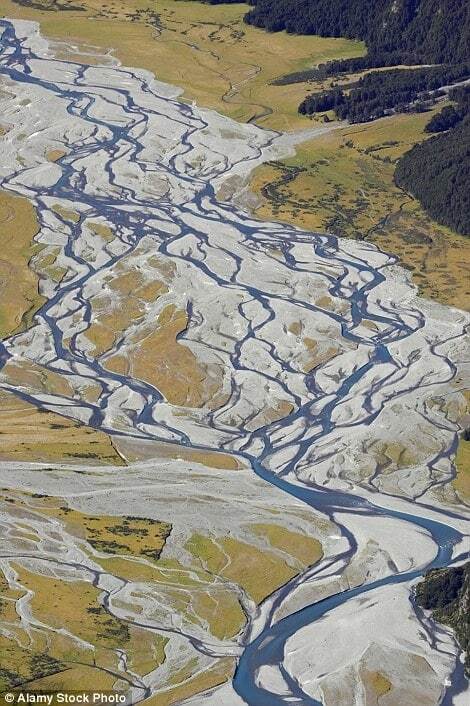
(258, 571)
(27, 434)
(135, 451)
(218, 674)
(86, 649)
(462, 460)
(54, 661)
(30, 434)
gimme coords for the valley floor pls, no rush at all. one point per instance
(228, 444)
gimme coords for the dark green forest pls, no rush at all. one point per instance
(437, 171)
(380, 92)
(418, 31)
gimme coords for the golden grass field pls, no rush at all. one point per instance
(205, 49)
(19, 297)
(306, 549)
(53, 661)
(136, 451)
(190, 591)
(48, 659)
(343, 183)
(160, 359)
(376, 685)
(30, 434)
(258, 571)
(208, 679)
(462, 462)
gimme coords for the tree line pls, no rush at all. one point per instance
(381, 92)
(437, 171)
(451, 115)
(413, 31)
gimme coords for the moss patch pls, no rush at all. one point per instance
(110, 534)
(67, 214)
(376, 685)
(170, 365)
(55, 155)
(216, 675)
(258, 571)
(210, 459)
(75, 606)
(307, 550)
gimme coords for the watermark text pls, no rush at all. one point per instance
(52, 698)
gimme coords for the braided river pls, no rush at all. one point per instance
(148, 166)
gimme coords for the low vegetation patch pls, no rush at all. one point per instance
(462, 463)
(446, 592)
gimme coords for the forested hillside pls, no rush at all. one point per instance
(437, 172)
(420, 31)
